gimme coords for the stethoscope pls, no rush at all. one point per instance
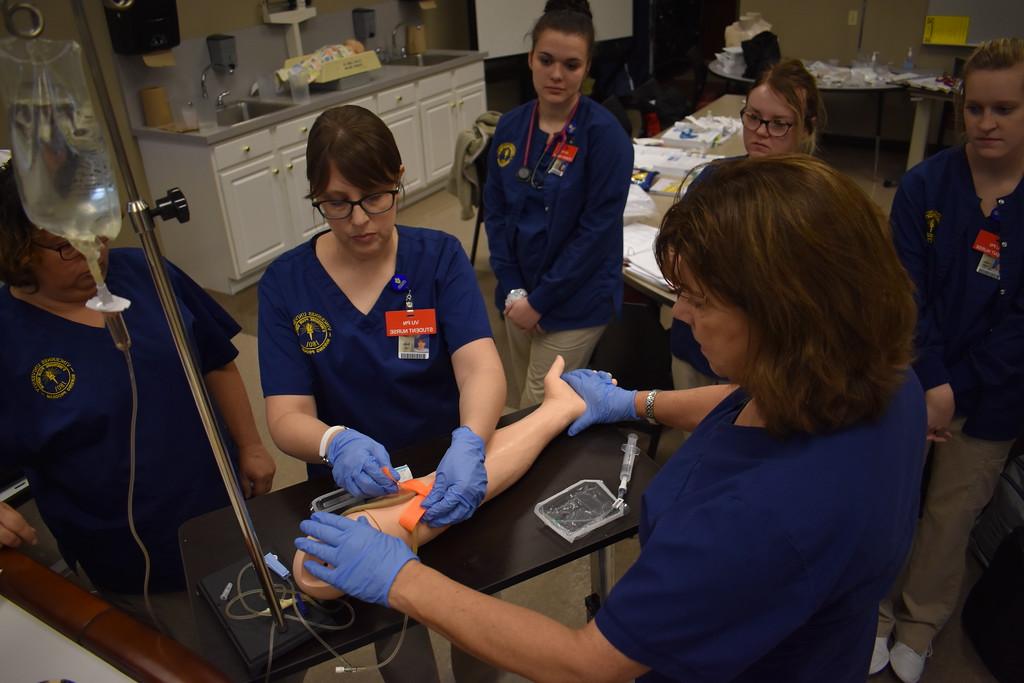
(524, 174)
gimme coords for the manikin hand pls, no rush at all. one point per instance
(605, 401)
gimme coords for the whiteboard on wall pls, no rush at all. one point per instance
(989, 18)
(503, 26)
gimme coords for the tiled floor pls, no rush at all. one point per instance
(560, 593)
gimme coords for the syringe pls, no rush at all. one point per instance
(629, 451)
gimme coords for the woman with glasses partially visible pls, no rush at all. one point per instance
(782, 115)
(374, 336)
(66, 415)
(556, 188)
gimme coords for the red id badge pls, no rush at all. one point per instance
(566, 153)
(987, 243)
(410, 323)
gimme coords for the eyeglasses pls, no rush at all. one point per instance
(752, 122)
(66, 251)
(372, 204)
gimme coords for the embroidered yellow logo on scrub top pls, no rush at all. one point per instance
(506, 153)
(931, 220)
(53, 377)
(313, 330)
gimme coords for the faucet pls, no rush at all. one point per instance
(220, 99)
(395, 52)
(215, 67)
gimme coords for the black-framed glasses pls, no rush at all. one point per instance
(752, 122)
(66, 251)
(371, 204)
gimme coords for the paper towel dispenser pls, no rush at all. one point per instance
(144, 27)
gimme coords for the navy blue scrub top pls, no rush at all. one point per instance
(561, 241)
(65, 415)
(970, 326)
(314, 342)
(764, 559)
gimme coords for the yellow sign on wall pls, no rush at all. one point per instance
(945, 30)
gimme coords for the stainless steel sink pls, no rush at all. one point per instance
(244, 110)
(422, 60)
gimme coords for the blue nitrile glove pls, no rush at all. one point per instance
(460, 481)
(364, 561)
(357, 462)
(605, 401)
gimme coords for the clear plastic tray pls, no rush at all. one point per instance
(576, 511)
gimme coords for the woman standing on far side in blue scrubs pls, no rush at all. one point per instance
(556, 189)
(782, 115)
(373, 337)
(958, 224)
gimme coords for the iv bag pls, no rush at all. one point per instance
(64, 173)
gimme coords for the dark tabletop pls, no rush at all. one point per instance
(504, 543)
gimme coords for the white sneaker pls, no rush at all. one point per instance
(906, 663)
(880, 656)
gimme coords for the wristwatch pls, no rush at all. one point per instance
(649, 405)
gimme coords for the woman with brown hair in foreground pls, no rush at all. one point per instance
(769, 538)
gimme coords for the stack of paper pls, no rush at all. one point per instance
(669, 161)
(638, 253)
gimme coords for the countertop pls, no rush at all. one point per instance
(388, 76)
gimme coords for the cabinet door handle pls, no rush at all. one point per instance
(303, 129)
(247, 148)
(453, 104)
(275, 171)
(290, 166)
(461, 102)
(398, 99)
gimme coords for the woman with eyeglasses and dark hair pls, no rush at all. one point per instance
(66, 414)
(556, 189)
(374, 336)
(782, 115)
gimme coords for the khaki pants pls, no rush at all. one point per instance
(531, 356)
(964, 475)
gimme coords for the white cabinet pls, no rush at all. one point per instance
(449, 103)
(258, 221)
(306, 220)
(405, 126)
(439, 131)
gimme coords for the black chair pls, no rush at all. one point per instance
(481, 175)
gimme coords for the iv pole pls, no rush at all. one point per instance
(141, 216)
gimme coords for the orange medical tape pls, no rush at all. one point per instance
(413, 511)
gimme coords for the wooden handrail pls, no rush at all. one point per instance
(127, 644)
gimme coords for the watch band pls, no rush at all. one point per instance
(324, 441)
(649, 404)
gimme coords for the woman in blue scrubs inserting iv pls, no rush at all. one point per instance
(769, 537)
(66, 415)
(373, 336)
(557, 181)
